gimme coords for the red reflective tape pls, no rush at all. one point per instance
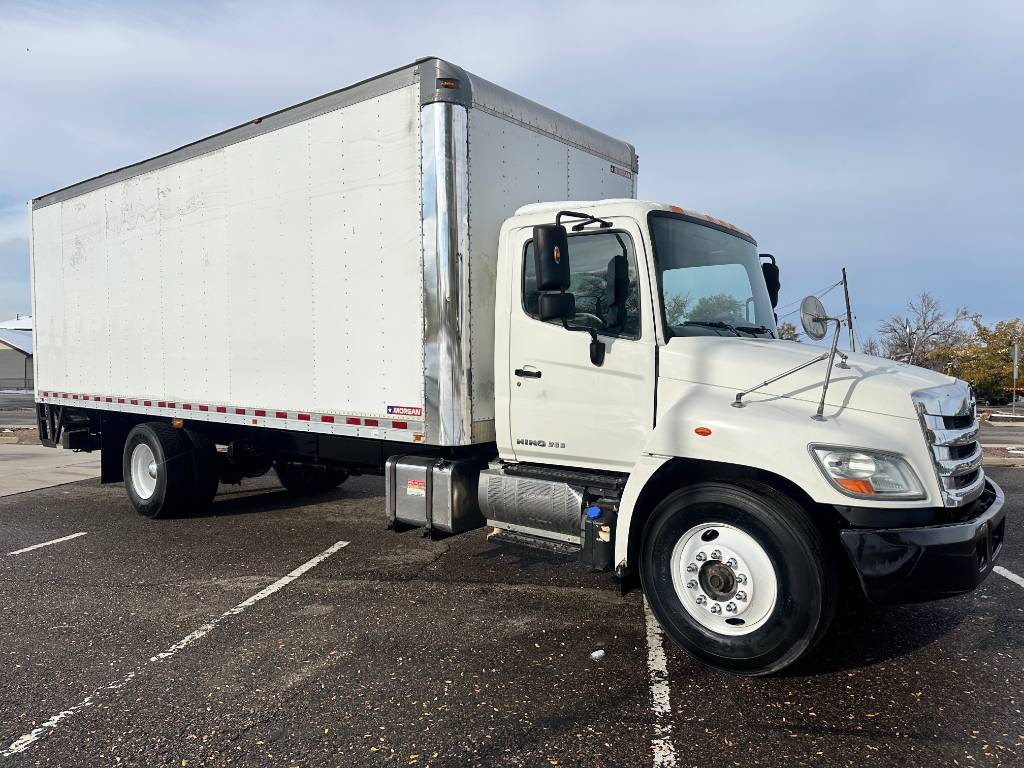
(204, 407)
(135, 402)
(303, 417)
(282, 415)
(240, 411)
(110, 399)
(96, 398)
(327, 419)
(261, 413)
(170, 405)
(74, 397)
(120, 400)
(371, 422)
(399, 425)
(160, 404)
(352, 420)
(221, 409)
(186, 406)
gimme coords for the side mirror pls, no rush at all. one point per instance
(551, 256)
(770, 270)
(616, 292)
(556, 306)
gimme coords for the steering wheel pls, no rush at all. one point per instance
(589, 316)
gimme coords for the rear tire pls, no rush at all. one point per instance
(158, 470)
(205, 469)
(303, 479)
(754, 602)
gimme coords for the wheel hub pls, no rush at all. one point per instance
(718, 581)
(144, 471)
(724, 578)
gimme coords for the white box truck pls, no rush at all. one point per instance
(382, 280)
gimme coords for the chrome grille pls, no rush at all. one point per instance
(951, 428)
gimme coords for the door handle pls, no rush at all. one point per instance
(527, 374)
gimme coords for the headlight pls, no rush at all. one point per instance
(867, 474)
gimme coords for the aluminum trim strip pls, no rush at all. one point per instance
(445, 245)
(298, 421)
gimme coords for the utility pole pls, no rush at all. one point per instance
(1016, 363)
(849, 313)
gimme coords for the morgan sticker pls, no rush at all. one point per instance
(404, 410)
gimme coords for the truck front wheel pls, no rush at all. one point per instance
(738, 576)
(157, 468)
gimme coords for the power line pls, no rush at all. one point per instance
(820, 295)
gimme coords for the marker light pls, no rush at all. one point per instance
(865, 473)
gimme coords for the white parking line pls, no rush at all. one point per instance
(48, 543)
(661, 706)
(1018, 580)
(24, 742)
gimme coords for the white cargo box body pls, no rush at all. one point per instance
(329, 267)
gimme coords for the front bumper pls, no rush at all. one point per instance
(910, 565)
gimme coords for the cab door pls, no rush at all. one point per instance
(563, 409)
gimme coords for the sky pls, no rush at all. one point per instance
(884, 137)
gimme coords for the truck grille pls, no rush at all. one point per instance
(950, 426)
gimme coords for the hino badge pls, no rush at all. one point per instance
(378, 281)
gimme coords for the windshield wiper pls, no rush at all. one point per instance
(755, 329)
(716, 324)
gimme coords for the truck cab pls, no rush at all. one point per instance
(622, 341)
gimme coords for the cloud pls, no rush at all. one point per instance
(883, 137)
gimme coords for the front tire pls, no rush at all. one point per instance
(738, 576)
(157, 465)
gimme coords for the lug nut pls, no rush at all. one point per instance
(691, 584)
(716, 555)
(741, 578)
(716, 608)
(691, 568)
(731, 562)
(741, 595)
(730, 607)
(701, 557)
(701, 599)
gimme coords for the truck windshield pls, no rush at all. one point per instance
(711, 281)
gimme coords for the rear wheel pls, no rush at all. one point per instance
(301, 478)
(738, 576)
(205, 469)
(157, 467)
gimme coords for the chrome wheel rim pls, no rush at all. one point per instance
(144, 471)
(724, 578)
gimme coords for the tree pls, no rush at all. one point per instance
(788, 332)
(872, 347)
(677, 308)
(986, 361)
(924, 335)
(720, 307)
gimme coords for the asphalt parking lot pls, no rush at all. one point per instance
(285, 632)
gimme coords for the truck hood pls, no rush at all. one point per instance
(871, 384)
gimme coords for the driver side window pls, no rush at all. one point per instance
(591, 255)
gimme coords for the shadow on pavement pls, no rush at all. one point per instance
(863, 634)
